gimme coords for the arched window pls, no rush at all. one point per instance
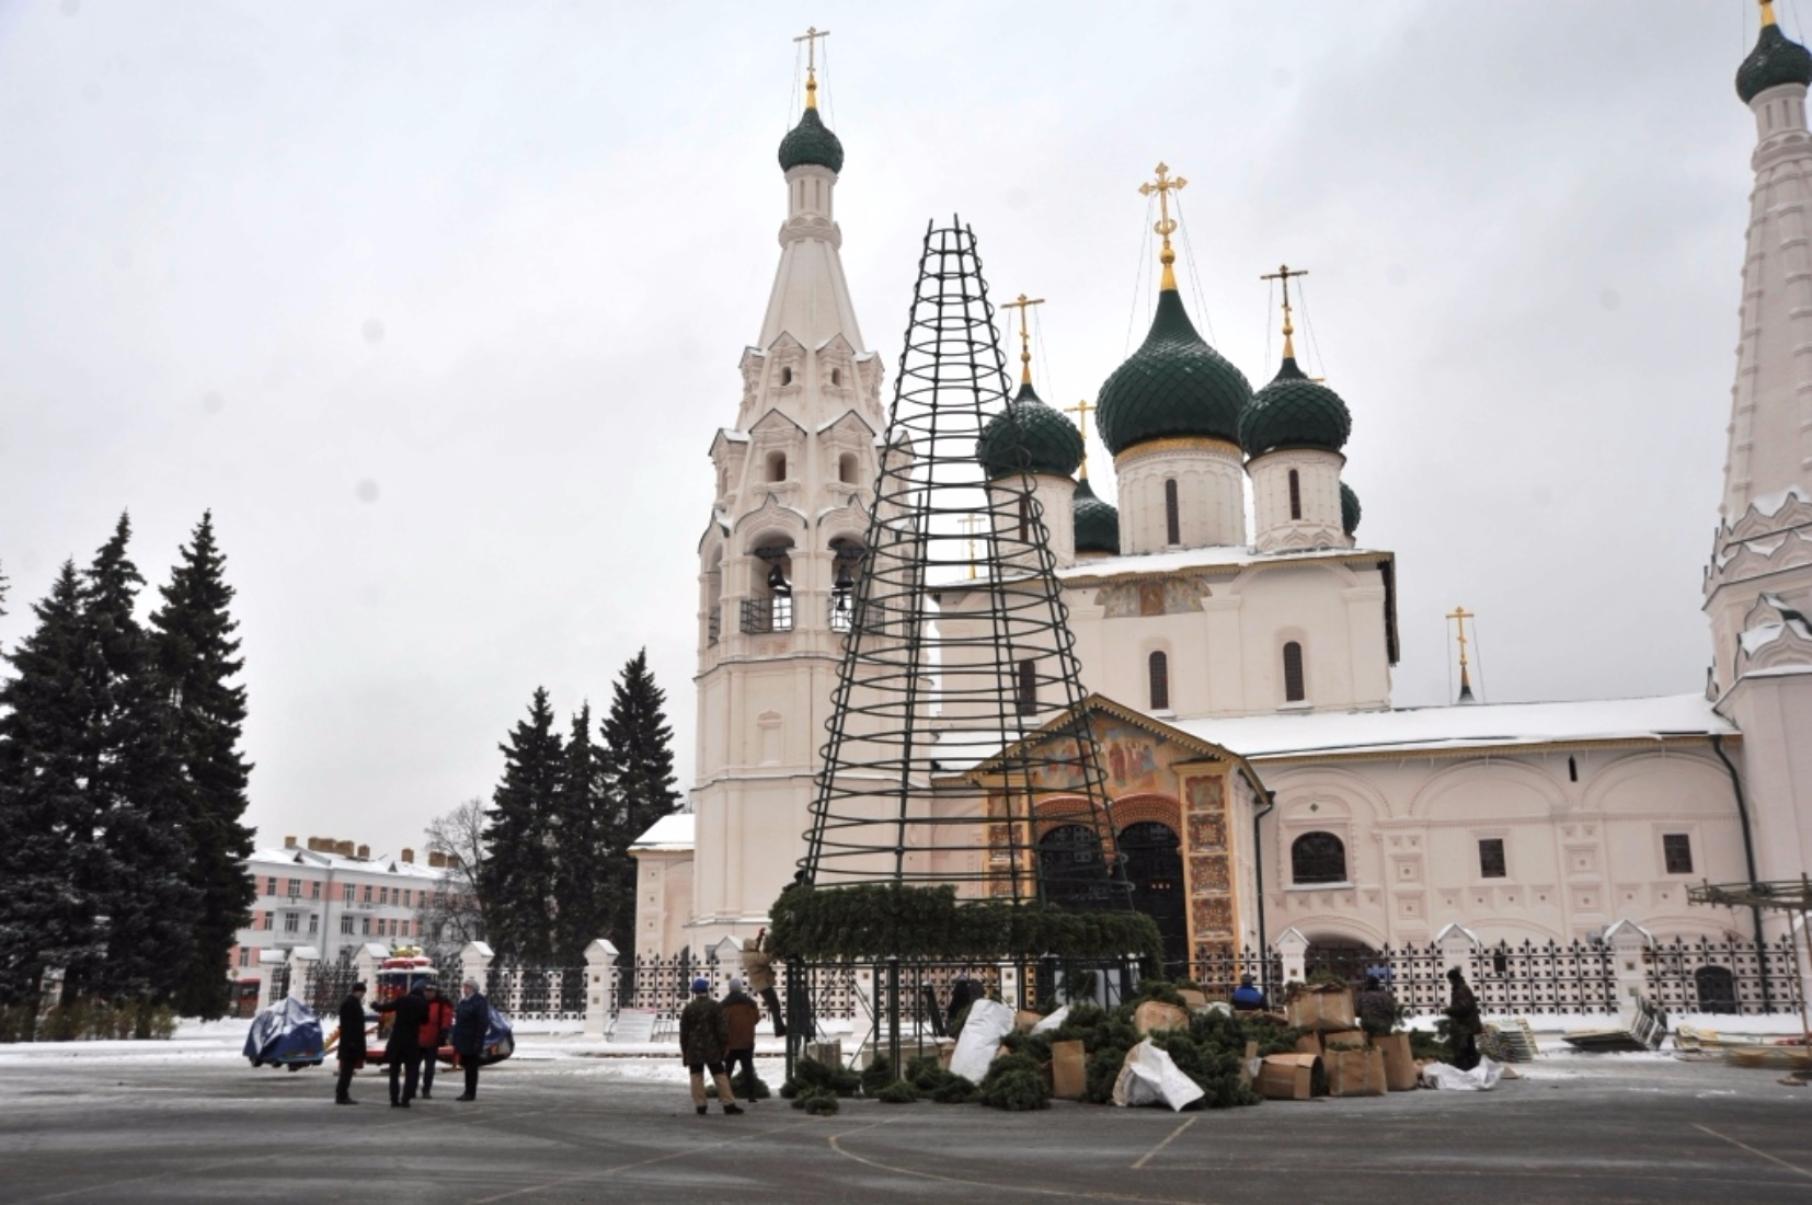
(836, 376)
(1028, 686)
(1173, 515)
(776, 466)
(846, 468)
(1292, 673)
(1157, 668)
(1318, 858)
(1295, 495)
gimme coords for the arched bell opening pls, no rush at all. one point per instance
(769, 607)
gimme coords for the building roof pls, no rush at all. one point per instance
(1350, 510)
(1097, 523)
(1294, 412)
(670, 832)
(1052, 443)
(811, 143)
(1776, 60)
(1173, 385)
(1230, 557)
(1472, 726)
(382, 864)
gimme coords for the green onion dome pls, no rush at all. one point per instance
(1294, 412)
(1097, 523)
(1349, 509)
(811, 143)
(1776, 60)
(1052, 443)
(1174, 385)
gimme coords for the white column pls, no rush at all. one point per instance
(600, 986)
(302, 960)
(268, 962)
(1295, 948)
(475, 963)
(366, 962)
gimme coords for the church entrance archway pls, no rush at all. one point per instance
(1070, 866)
(1154, 866)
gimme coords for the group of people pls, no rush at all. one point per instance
(422, 1020)
(718, 1037)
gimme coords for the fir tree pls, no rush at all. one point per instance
(639, 749)
(140, 874)
(197, 656)
(583, 895)
(47, 916)
(518, 874)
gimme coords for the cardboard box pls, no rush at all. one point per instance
(1322, 1007)
(828, 1054)
(1343, 1039)
(1309, 1043)
(1069, 1070)
(1193, 999)
(1155, 1014)
(1024, 1019)
(1400, 1072)
(945, 1048)
(1292, 1077)
(1355, 1072)
(1248, 1065)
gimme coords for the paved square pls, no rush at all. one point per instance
(564, 1128)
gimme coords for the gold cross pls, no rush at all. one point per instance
(1164, 185)
(810, 38)
(1081, 410)
(1024, 304)
(1461, 615)
(1284, 273)
(970, 524)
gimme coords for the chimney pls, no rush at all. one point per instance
(289, 843)
(343, 848)
(436, 859)
(409, 856)
(365, 853)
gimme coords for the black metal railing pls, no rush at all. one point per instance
(763, 615)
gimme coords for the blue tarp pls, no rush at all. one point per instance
(288, 1032)
(499, 1038)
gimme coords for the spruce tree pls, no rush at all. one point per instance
(639, 748)
(139, 874)
(47, 832)
(197, 655)
(580, 849)
(518, 874)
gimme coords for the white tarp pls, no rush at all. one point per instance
(1150, 1077)
(1054, 1022)
(1481, 1078)
(989, 1021)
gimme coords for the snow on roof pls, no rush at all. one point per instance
(1465, 726)
(670, 832)
(382, 864)
(1236, 556)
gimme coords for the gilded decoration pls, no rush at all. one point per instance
(1211, 917)
(1208, 874)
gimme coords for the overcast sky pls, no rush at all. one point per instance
(438, 305)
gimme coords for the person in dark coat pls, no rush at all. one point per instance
(434, 1032)
(470, 1020)
(1463, 1022)
(403, 1049)
(741, 1014)
(352, 1043)
(1248, 997)
(704, 1035)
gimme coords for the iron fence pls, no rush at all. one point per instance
(1723, 976)
(538, 993)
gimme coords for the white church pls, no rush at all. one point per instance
(1240, 676)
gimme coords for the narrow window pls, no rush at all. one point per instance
(786, 376)
(1028, 687)
(1292, 673)
(1295, 495)
(1173, 517)
(1572, 770)
(836, 376)
(1158, 669)
(776, 466)
(846, 468)
(1025, 517)
(1491, 857)
(1676, 848)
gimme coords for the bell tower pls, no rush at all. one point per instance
(781, 551)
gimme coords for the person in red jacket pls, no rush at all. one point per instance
(434, 1031)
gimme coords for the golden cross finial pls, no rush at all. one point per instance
(1164, 185)
(1767, 12)
(1461, 615)
(810, 38)
(970, 525)
(1284, 273)
(1081, 410)
(1024, 304)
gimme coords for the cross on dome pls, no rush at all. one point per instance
(1166, 225)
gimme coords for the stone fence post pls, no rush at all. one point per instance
(302, 960)
(268, 962)
(366, 962)
(1457, 943)
(600, 987)
(475, 963)
(1628, 941)
(1293, 947)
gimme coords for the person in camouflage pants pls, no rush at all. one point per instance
(704, 1033)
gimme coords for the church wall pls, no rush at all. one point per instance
(1211, 495)
(1318, 492)
(1775, 714)
(1582, 844)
